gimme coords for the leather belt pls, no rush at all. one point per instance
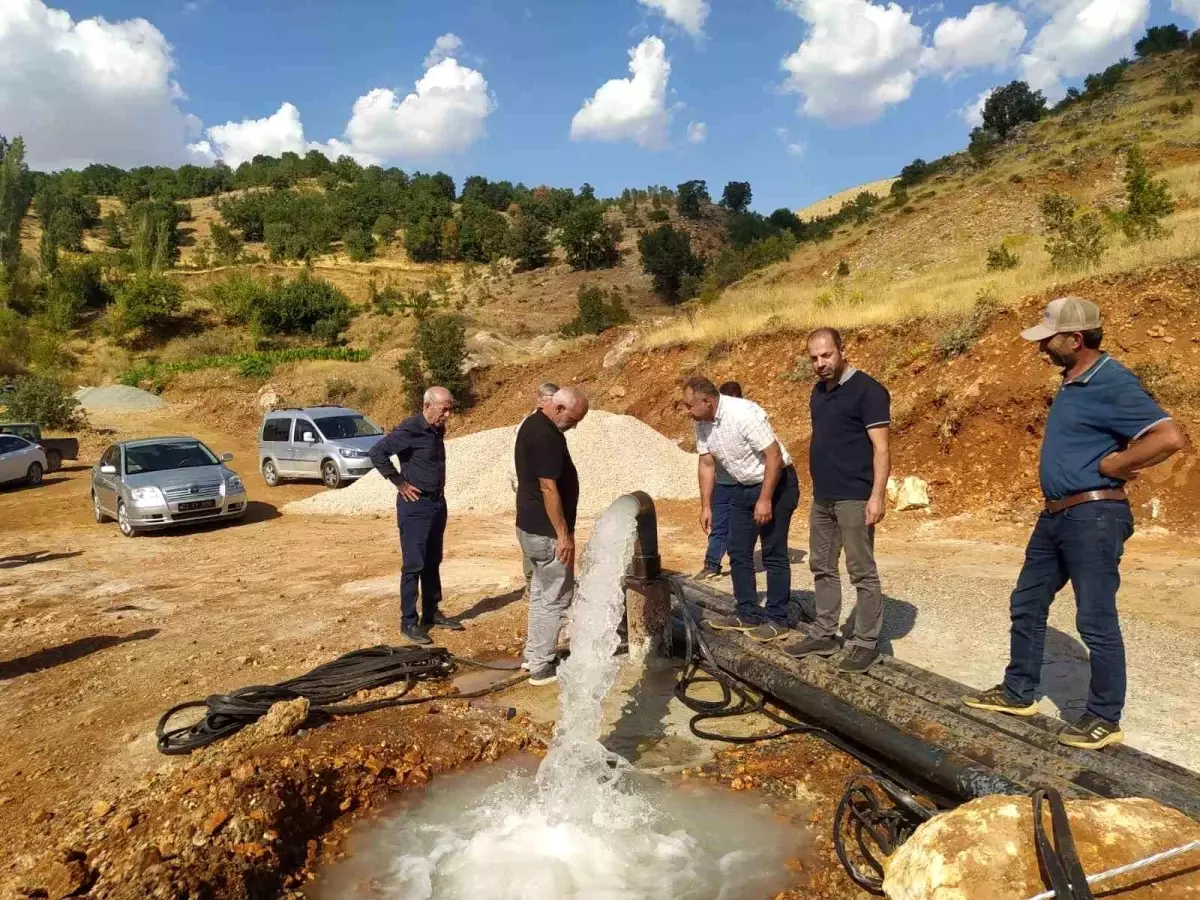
(1057, 506)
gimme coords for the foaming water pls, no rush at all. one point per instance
(586, 825)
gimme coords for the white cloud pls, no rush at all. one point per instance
(972, 113)
(443, 48)
(445, 113)
(989, 35)
(690, 15)
(632, 108)
(858, 59)
(1190, 8)
(697, 132)
(1082, 36)
(89, 90)
(792, 147)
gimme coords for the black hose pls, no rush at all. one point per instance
(325, 687)
(1060, 861)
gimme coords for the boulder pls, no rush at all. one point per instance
(893, 488)
(913, 493)
(283, 718)
(619, 350)
(268, 398)
(984, 850)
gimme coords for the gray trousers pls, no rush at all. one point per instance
(832, 526)
(551, 590)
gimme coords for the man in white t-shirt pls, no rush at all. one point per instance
(736, 434)
(545, 393)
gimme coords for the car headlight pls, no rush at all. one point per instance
(353, 454)
(147, 496)
(234, 485)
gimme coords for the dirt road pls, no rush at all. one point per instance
(100, 634)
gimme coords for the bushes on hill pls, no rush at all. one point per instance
(303, 305)
(667, 257)
(438, 358)
(529, 243)
(359, 244)
(44, 401)
(1148, 200)
(1012, 105)
(385, 228)
(147, 301)
(960, 336)
(597, 312)
(1000, 259)
(1161, 39)
(691, 197)
(588, 239)
(736, 196)
(658, 215)
(226, 244)
(1074, 237)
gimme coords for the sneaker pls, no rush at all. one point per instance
(706, 574)
(440, 621)
(416, 635)
(547, 674)
(731, 623)
(998, 699)
(1091, 733)
(769, 631)
(858, 660)
(812, 646)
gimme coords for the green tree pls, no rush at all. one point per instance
(1161, 39)
(529, 243)
(1074, 237)
(422, 240)
(690, 198)
(113, 236)
(16, 193)
(667, 257)
(588, 239)
(227, 245)
(43, 400)
(413, 374)
(1149, 200)
(385, 228)
(736, 196)
(1009, 106)
(597, 313)
(148, 301)
(359, 244)
(442, 343)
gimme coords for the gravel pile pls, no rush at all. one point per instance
(117, 398)
(614, 455)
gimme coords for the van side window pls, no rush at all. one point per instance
(111, 457)
(276, 429)
(303, 425)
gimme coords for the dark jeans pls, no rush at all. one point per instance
(1082, 545)
(742, 535)
(422, 527)
(718, 537)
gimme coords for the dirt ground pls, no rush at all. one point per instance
(100, 634)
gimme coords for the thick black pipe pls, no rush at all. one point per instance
(646, 564)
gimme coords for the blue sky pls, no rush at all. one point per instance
(869, 86)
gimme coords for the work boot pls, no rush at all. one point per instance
(858, 660)
(440, 621)
(998, 699)
(812, 646)
(769, 631)
(1091, 733)
(546, 674)
(707, 574)
(730, 623)
(416, 635)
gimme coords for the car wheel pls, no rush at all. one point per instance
(270, 473)
(330, 474)
(97, 512)
(34, 474)
(123, 522)
(53, 461)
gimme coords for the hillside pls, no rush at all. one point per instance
(833, 203)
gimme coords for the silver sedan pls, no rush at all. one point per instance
(164, 482)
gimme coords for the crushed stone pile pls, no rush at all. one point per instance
(614, 455)
(117, 397)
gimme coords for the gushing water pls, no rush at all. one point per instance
(586, 826)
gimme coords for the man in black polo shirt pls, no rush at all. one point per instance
(419, 442)
(849, 462)
(547, 500)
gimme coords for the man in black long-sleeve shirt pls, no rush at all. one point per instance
(419, 442)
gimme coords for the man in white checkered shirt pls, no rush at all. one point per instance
(737, 434)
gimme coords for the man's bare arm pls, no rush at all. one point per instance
(881, 467)
(707, 473)
(1157, 445)
(554, 510)
(773, 458)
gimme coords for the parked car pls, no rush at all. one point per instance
(56, 449)
(327, 442)
(21, 460)
(164, 482)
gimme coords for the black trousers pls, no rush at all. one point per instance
(422, 532)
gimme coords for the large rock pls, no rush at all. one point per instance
(913, 493)
(282, 719)
(984, 851)
(620, 350)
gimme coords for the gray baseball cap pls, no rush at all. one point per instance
(1065, 315)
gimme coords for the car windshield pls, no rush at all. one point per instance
(172, 455)
(336, 428)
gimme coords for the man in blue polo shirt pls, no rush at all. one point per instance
(1103, 428)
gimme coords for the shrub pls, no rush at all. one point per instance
(442, 343)
(254, 367)
(596, 313)
(385, 301)
(839, 295)
(227, 244)
(529, 243)
(1074, 237)
(588, 239)
(1011, 105)
(339, 390)
(843, 268)
(961, 336)
(385, 228)
(1148, 200)
(43, 400)
(1161, 39)
(983, 142)
(690, 197)
(251, 365)
(666, 257)
(275, 306)
(1001, 258)
(359, 244)
(409, 368)
(422, 240)
(147, 301)
(658, 215)
(112, 232)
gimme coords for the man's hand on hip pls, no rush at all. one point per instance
(566, 549)
(706, 519)
(876, 510)
(762, 511)
(1113, 466)
(409, 492)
